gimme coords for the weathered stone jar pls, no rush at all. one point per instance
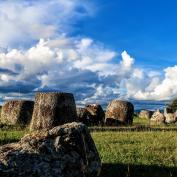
(92, 114)
(157, 118)
(120, 111)
(52, 109)
(17, 112)
(145, 114)
(97, 114)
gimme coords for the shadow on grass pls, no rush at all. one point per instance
(8, 140)
(124, 170)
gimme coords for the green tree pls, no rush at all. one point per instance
(173, 105)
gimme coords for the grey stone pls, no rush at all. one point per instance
(64, 151)
(92, 114)
(53, 109)
(83, 115)
(121, 111)
(145, 114)
(170, 117)
(157, 118)
(17, 112)
(97, 114)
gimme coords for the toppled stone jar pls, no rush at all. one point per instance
(64, 151)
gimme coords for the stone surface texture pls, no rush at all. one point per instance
(97, 114)
(83, 115)
(121, 111)
(170, 117)
(145, 114)
(92, 114)
(53, 109)
(157, 118)
(64, 151)
(17, 112)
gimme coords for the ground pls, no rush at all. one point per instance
(137, 154)
(125, 153)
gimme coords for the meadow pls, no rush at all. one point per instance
(137, 154)
(126, 154)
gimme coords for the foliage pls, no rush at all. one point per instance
(173, 105)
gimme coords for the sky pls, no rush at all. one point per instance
(99, 50)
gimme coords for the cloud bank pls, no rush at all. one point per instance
(66, 64)
(38, 53)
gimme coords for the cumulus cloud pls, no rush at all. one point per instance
(38, 53)
(64, 64)
(152, 85)
(78, 65)
(83, 67)
(127, 61)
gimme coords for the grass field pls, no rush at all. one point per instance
(137, 154)
(128, 154)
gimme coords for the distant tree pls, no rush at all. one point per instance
(173, 105)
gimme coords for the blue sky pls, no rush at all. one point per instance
(147, 29)
(98, 50)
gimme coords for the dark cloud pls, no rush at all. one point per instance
(7, 71)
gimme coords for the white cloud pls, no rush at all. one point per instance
(152, 86)
(37, 53)
(64, 67)
(23, 22)
(75, 65)
(127, 61)
(57, 61)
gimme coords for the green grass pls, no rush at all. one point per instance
(139, 154)
(10, 136)
(127, 154)
(143, 121)
(140, 121)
